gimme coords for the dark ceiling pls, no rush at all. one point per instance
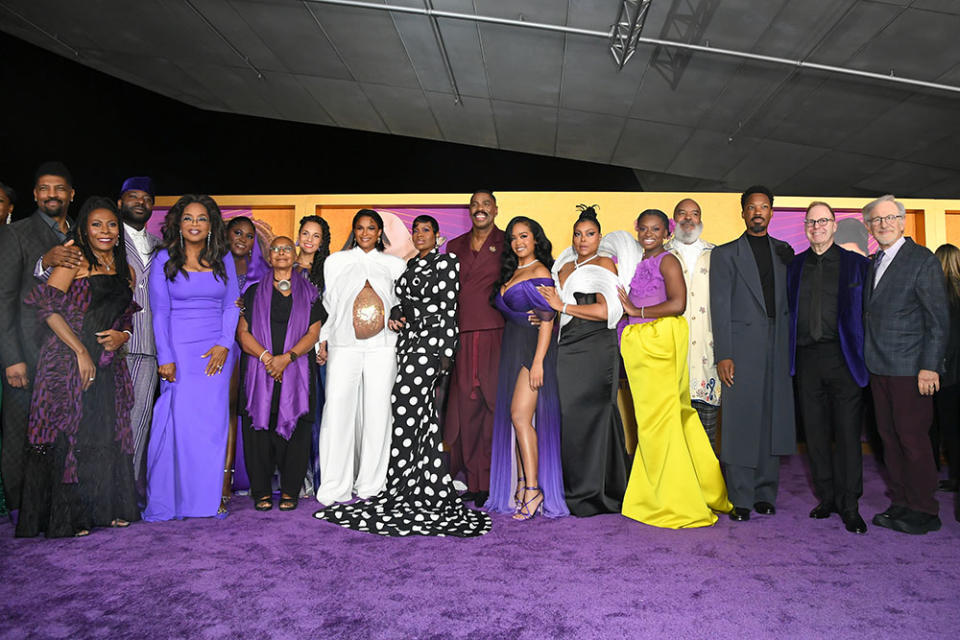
(680, 120)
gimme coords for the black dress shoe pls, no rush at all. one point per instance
(949, 486)
(885, 518)
(739, 514)
(764, 508)
(916, 523)
(853, 522)
(467, 496)
(481, 498)
(823, 510)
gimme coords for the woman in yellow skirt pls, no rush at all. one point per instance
(675, 481)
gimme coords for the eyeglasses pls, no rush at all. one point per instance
(819, 222)
(284, 248)
(888, 219)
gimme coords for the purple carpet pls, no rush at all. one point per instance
(286, 575)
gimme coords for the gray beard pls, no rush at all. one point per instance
(688, 237)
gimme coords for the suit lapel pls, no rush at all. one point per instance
(133, 256)
(747, 266)
(885, 280)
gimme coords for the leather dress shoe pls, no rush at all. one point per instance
(467, 496)
(481, 498)
(764, 508)
(886, 518)
(949, 486)
(853, 522)
(823, 510)
(739, 514)
(916, 523)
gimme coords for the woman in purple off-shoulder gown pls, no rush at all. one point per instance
(525, 473)
(193, 294)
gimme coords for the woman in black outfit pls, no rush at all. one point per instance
(947, 400)
(593, 452)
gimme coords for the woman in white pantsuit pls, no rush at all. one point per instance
(361, 360)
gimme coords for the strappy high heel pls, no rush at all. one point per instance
(518, 494)
(524, 512)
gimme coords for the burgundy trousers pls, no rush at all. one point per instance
(903, 421)
(468, 427)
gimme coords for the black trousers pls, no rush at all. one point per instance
(831, 407)
(947, 406)
(264, 451)
(16, 412)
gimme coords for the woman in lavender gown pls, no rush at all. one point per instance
(525, 473)
(243, 238)
(193, 293)
(79, 465)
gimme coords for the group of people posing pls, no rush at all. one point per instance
(371, 382)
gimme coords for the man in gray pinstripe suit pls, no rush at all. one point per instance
(136, 206)
(905, 318)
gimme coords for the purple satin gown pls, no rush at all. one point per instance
(517, 351)
(188, 437)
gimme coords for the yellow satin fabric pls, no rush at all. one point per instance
(676, 480)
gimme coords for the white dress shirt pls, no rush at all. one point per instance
(888, 256)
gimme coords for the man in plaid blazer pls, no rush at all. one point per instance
(906, 319)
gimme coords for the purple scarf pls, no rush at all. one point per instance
(295, 392)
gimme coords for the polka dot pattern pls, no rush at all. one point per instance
(419, 498)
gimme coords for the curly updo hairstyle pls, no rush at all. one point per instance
(588, 214)
(212, 254)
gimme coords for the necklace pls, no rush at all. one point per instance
(106, 266)
(577, 265)
(524, 266)
(282, 285)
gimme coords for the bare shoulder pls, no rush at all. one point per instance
(540, 271)
(607, 263)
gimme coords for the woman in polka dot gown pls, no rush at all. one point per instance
(419, 498)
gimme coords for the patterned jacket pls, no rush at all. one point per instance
(704, 384)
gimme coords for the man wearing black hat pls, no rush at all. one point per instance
(136, 206)
(22, 244)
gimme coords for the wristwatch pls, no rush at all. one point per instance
(292, 354)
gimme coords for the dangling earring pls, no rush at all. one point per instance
(181, 239)
(208, 238)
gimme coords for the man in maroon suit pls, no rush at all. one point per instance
(468, 430)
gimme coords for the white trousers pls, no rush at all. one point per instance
(354, 444)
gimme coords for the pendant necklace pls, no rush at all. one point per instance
(577, 265)
(282, 285)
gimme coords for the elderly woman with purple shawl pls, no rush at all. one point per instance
(277, 332)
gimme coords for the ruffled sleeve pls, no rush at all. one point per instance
(46, 301)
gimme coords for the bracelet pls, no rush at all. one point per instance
(564, 310)
(641, 314)
(262, 354)
(129, 334)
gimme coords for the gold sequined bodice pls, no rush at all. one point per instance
(368, 314)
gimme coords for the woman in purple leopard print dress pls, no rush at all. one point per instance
(79, 468)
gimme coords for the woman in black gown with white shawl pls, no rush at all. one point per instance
(593, 453)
